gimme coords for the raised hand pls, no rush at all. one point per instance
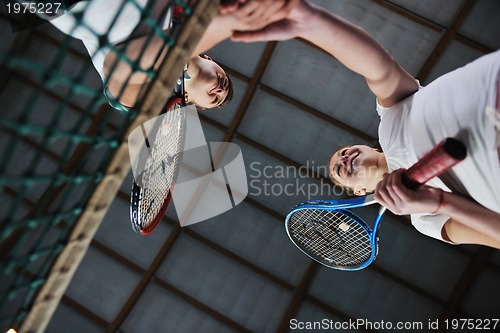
(255, 14)
(283, 24)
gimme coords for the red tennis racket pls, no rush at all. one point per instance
(158, 164)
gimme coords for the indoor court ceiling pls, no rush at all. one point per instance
(238, 272)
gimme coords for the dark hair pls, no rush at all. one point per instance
(230, 92)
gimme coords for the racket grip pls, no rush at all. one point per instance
(445, 155)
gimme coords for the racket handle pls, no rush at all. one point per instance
(445, 155)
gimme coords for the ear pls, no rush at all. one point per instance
(360, 192)
(186, 97)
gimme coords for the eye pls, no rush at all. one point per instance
(226, 82)
(337, 168)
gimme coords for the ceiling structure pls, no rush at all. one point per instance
(238, 272)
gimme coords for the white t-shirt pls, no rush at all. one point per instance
(99, 19)
(459, 104)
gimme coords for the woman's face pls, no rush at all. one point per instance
(358, 167)
(208, 86)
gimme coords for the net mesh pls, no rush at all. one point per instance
(58, 136)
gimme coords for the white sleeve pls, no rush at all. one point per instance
(430, 225)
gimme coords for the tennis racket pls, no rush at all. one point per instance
(328, 232)
(159, 163)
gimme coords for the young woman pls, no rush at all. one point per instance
(463, 103)
(125, 55)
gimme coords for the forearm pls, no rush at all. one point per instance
(357, 50)
(217, 31)
(463, 211)
(147, 53)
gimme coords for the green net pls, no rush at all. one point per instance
(58, 134)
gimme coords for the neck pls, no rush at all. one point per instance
(193, 67)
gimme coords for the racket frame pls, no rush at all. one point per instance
(136, 192)
(342, 206)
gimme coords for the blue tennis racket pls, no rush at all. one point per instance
(328, 232)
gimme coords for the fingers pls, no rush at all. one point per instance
(284, 11)
(230, 6)
(393, 194)
(256, 14)
(382, 194)
(390, 192)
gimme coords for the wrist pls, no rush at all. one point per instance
(305, 15)
(441, 202)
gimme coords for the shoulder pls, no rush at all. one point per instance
(401, 105)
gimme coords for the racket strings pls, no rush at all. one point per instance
(332, 236)
(161, 165)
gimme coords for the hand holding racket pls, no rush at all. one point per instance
(158, 163)
(326, 231)
(391, 193)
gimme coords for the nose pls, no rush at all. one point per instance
(344, 158)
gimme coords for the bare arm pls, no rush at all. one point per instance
(469, 223)
(240, 15)
(350, 44)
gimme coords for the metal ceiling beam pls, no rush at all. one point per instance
(251, 89)
(410, 15)
(304, 107)
(464, 284)
(163, 284)
(145, 280)
(326, 118)
(445, 40)
(84, 311)
(298, 297)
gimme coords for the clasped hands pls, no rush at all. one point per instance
(253, 15)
